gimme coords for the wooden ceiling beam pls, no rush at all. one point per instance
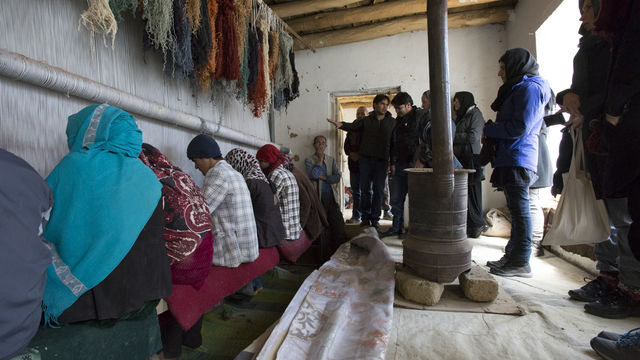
(297, 8)
(386, 10)
(405, 24)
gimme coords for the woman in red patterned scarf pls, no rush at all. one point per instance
(187, 230)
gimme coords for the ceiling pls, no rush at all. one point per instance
(323, 23)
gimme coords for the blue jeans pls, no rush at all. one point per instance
(518, 248)
(372, 170)
(399, 189)
(355, 189)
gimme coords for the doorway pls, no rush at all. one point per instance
(345, 104)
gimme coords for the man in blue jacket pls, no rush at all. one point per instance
(520, 106)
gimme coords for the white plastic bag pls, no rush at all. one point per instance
(579, 218)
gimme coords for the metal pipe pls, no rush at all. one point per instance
(19, 67)
(439, 83)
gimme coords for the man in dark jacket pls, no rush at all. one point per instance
(374, 155)
(404, 144)
(352, 148)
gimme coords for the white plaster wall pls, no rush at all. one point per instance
(525, 20)
(33, 120)
(399, 60)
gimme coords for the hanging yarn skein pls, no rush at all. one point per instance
(159, 17)
(193, 14)
(118, 7)
(179, 59)
(207, 73)
(227, 62)
(98, 18)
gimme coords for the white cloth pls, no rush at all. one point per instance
(343, 310)
(235, 233)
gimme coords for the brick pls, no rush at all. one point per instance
(417, 289)
(478, 285)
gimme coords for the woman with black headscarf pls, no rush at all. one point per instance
(466, 147)
(520, 108)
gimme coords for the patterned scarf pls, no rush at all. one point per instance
(246, 164)
(187, 219)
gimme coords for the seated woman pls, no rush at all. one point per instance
(24, 253)
(288, 194)
(229, 201)
(106, 225)
(265, 204)
(188, 240)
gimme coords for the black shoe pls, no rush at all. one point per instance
(364, 223)
(510, 269)
(625, 347)
(391, 232)
(609, 335)
(536, 249)
(591, 292)
(375, 224)
(614, 305)
(498, 263)
(476, 234)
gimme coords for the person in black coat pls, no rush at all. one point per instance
(466, 146)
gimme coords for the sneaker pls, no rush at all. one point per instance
(591, 292)
(510, 269)
(476, 234)
(626, 347)
(536, 249)
(391, 232)
(614, 305)
(609, 335)
(387, 215)
(353, 221)
(498, 263)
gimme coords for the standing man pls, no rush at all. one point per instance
(351, 148)
(404, 144)
(229, 200)
(374, 155)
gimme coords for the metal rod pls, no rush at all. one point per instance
(19, 67)
(439, 84)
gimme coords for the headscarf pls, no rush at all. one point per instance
(466, 101)
(288, 162)
(187, 220)
(589, 37)
(104, 197)
(24, 211)
(518, 62)
(271, 154)
(246, 164)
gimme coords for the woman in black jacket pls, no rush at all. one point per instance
(466, 147)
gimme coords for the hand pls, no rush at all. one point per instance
(575, 121)
(613, 120)
(393, 169)
(335, 123)
(571, 103)
(419, 164)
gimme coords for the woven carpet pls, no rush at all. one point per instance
(232, 325)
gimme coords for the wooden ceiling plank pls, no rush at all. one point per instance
(297, 8)
(405, 24)
(386, 10)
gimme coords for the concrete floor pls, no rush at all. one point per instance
(553, 327)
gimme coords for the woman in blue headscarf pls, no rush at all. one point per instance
(100, 246)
